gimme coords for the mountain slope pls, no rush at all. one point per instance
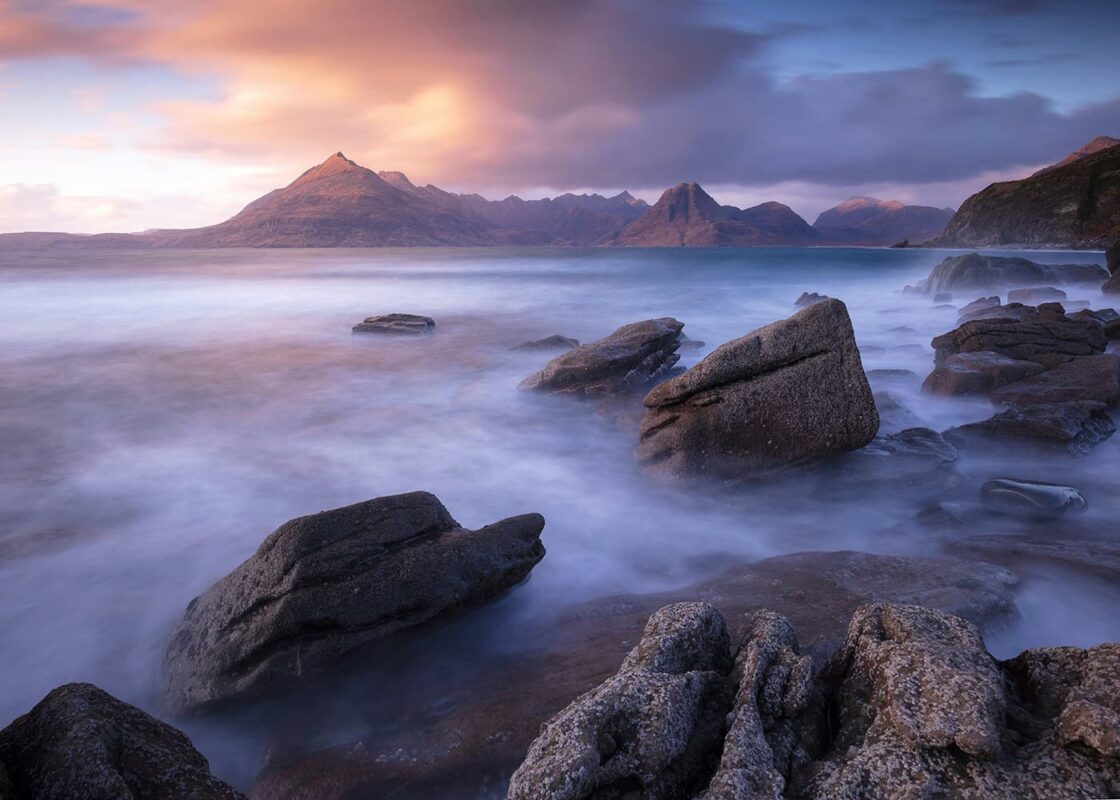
(1075, 205)
(687, 216)
(868, 220)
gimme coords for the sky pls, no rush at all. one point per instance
(125, 115)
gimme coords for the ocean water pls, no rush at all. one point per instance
(161, 413)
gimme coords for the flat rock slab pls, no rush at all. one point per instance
(80, 742)
(324, 586)
(1092, 378)
(977, 373)
(1047, 337)
(787, 393)
(473, 748)
(1099, 557)
(1073, 428)
(396, 325)
(626, 360)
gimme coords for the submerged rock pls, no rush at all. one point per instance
(323, 586)
(1092, 378)
(396, 325)
(1034, 296)
(1074, 428)
(80, 742)
(629, 358)
(977, 373)
(974, 271)
(554, 342)
(894, 416)
(787, 393)
(1030, 497)
(915, 457)
(1045, 336)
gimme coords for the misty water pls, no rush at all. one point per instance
(161, 413)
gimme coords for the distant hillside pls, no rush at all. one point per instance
(1095, 146)
(868, 220)
(687, 216)
(1076, 204)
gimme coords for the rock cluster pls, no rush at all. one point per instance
(396, 325)
(910, 705)
(977, 272)
(80, 742)
(627, 359)
(322, 586)
(784, 394)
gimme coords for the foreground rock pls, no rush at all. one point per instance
(1073, 428)
(472, 748)
(629, 358)
(1030, 497)
(976, 272)
(1093, 378)
(787, 393)
(323, 586)
(1046, 336)
(918, 709)
(554, 342)
(977, 373)
(80, 742)
(396, 325)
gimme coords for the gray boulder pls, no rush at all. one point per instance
(323, 586)
(977, 373)
(1045, 335)
(629, 358)
(787, 393)
(396, 325)
(974, 271)
(1030, 498)
(82, 743)
(1092, 378)
(1074, 428)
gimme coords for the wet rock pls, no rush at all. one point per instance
(784, 394)
(943, 297)
(650, 730)
(974, 271)
(977, 373)
(629, 358)
(396, 325)
(894, 416)
(1093, 378)
(977, 307)
(80, 742)
(1036, 295)
(1044, 336)
(1112, 330)
(1102, 316)
(1030, 498)
(1091, 556)
(691, 344)
(808, 298)
(915, 457)
(1074, 428)
(323, 586)
(554, 342)
(883, 375)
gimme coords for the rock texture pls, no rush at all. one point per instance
(687, 216)
(985, 273)
(787, 393)
(1074, 428)
(1092, 378)
(82, 743)
(911, 705)
(630, 357)
(1046, 336)
(870, 221)
(1076, 204)
(323, 586)
(977, 372)
(396, 325)
(1042, 294)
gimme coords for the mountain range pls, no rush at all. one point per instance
(868, 220)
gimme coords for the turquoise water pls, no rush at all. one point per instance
(162, 413)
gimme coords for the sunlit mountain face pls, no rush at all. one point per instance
(125, 116)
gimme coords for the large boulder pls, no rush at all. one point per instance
(787, 393)
(1093, 378)
(977, 373)
(629, 358)
(1074, 428)
(974, 271)
(1046, 336)
(80, 742)
(323, 586)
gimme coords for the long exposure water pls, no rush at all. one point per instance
(161, 413)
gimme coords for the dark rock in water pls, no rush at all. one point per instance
(893, 415)
(690, 344)
(808, 298)
(1046, 337)
(943, 297)
(1034, 296)
(1074, 428)
(80, 742)
(1101, 316)
(554, 342)
(891, 375)
(323, 586)
(904, 244)
(1112, 330)
(915, 457)
(650, 729)
(1093, 378)
(974, 271)
(790, 392)
(1092, 556)
(976, 308)
(977, 373)
(1030, 497)
(396, 325)
(629, 358)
